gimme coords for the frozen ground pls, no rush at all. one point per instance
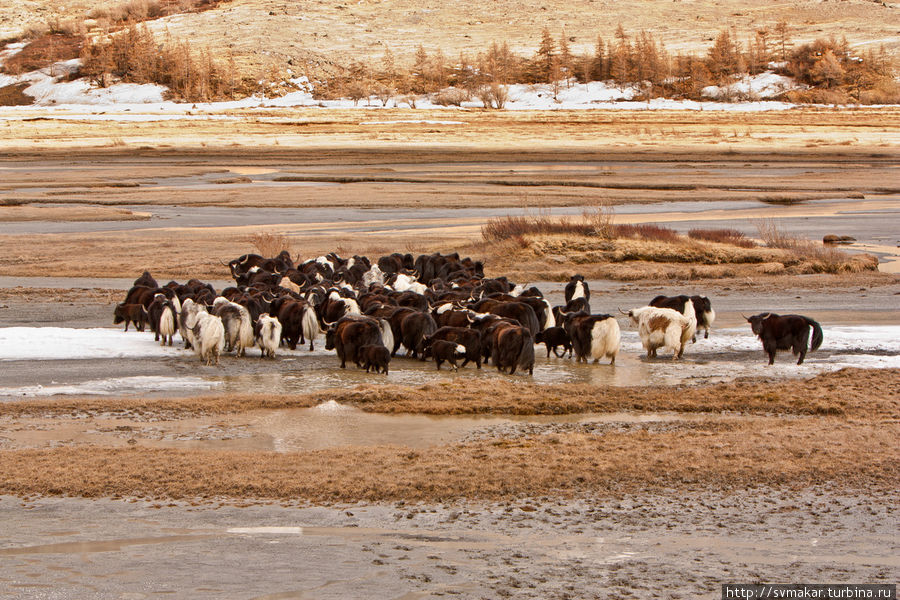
(683, 544)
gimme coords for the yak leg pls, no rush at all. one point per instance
(770, 350)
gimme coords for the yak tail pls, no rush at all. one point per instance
(816, 336)
(550, 320)
(245, 333)
(309, 323)
(526, 354)
(387, 334)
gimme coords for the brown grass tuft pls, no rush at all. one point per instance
(43, 52)
(646, 231)
(822, 258)
(722, 236)
(270, 244)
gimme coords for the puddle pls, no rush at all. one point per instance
(289, 430)
(100, 546)
(115, 386)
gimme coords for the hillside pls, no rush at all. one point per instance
(314, 38)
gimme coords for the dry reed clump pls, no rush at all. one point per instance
(646, 231)
(595, 221)
(509, 227)
(722, 236)
(820, 258)
(271, 244)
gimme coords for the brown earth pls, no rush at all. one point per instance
(266, 34)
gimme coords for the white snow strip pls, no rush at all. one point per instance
(861, 339)
(109, 387)
(62, 343)
(414, 121)
(267, 530)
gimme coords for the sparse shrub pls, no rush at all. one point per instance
(886, 91)
(450, 97)
(823, 258)
(270, 245)
(384, 93)
(646, 231)
(134, 56)
(410, 100)
(493, 95)
(722, 236)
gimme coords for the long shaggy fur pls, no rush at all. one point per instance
(663, 328)
(167, 324)
(187, 320)
(269, 335)
(238, 325)
(605, 340)
(309, 325)
(209, 336)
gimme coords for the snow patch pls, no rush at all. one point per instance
(267, 530)
(61, 343)
(109, 387)
(763, 85)
(418, 121)
(331, 406)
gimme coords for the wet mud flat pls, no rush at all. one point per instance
(682, 544)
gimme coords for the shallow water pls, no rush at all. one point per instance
(110, 362)
(327, 425)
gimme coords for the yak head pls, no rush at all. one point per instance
(756, 322)
(330, 335)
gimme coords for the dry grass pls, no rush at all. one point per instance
(13, 95)
(710, 453)
(722, 236)
(270, 244)
(849, 392)
(43, 52)
(510, 227)
(557, 257)
(822, 258)
(646, 231)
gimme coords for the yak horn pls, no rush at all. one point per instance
(623, 312)
(744, 317)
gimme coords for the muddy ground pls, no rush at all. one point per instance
(674, 545)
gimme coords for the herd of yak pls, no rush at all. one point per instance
(437, 306)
